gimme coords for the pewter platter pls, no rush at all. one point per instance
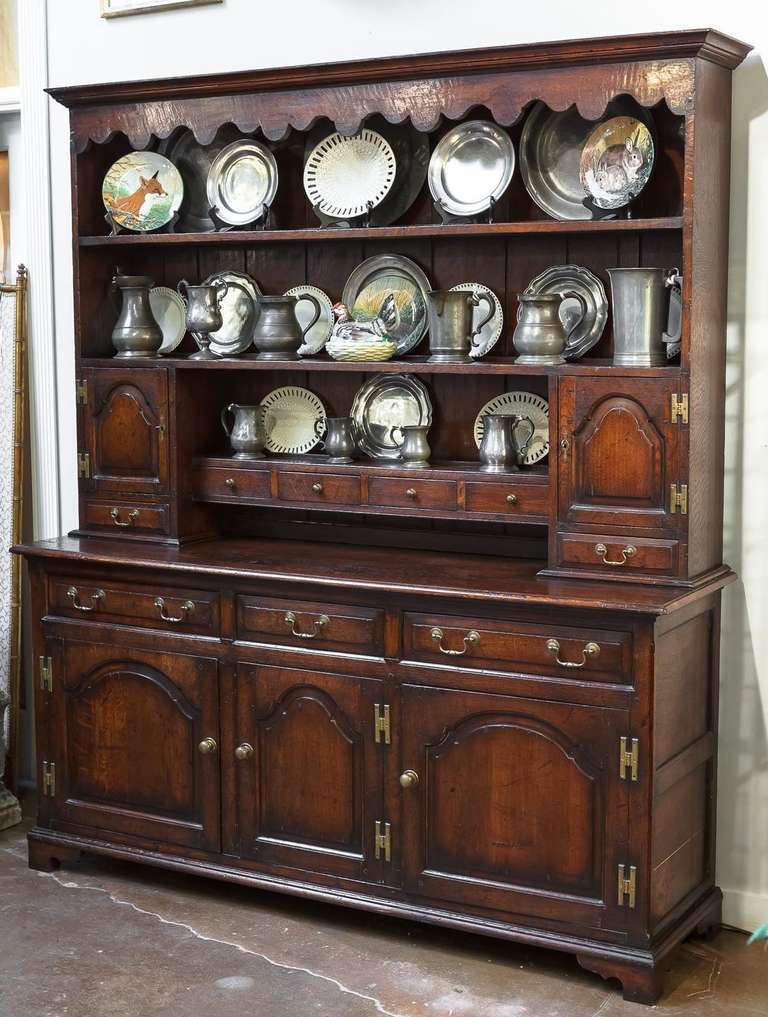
(472, 164)
(170, 313)
(239, 311)
(342, 176)
(527, 404)
(582, 334)
(193, 161)
(320, 333)
(242, 182)
(383, 403)
(372, 282)
(616, 162)
(491, 331)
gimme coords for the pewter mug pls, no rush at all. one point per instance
(451, 335)
(642, 312)
(414, 447)
(136, 333)
(203, 313)
(502, 448)
(540, 337)
(246, 431)
(339, 441)
(277, 334)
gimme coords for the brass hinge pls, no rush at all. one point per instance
(83, 465)
(49, 779)
(679, 408)
(678, 499)
(627, 886)
(628, 758)
(46, 674)
(381, 840)
(81, 391)
(381, 729)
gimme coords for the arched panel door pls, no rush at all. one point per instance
(518, 806)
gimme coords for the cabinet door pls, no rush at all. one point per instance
(309, 795)
(126, 430)
(128, 729)
(518, 805)
(618, 453)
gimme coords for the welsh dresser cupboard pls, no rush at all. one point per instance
(440, 695)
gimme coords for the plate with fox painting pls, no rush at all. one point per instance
(142, 191)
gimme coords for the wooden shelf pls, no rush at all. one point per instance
(437, 470)
(386, 232)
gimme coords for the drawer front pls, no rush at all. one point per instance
(554, 650)
(310, 624)
(212, 482)
(125, 517)
(180, 610)
(433, 494)
(617, 557)
(511, 500)
(322, 488)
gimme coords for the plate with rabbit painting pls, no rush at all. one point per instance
(616, 162)
(142, 191)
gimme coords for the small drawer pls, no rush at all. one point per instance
(513, 500)
(412, 493)
(125, 517)
(311, 625)
(180, 610)
(210, 482)
(617, 557)
(559, 650)
(323, 488)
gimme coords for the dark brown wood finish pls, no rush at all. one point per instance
(361, 683)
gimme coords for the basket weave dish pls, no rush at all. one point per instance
(361, 349)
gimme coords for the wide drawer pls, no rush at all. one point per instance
(513, 499)
(125, 517)
(309, 624)
(617, 557)
(210, 482)
(559, 650)
(407, 491)
(321, 488)
(178, 609)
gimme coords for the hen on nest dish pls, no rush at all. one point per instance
(363, 340)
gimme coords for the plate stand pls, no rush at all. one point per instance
(116, 228)
(448, 218)
(261, 221)
(354, 222)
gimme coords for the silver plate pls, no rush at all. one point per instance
(170, 313)
(528, 404)
(239, 314)
(616, 162)
(491, 331)
(320, 333)
(343, 176)
(372, 282)
(384, 403)
(560, 278)
(472, 164)
(242, 182)
(193, 161)
(550, 154)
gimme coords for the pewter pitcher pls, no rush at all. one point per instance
(136, 333)
(244, 426)
(414, 447)
(339, 442)
(451, 335)
(643, 301)
(505, 444)
(277, 334)
(540, 337)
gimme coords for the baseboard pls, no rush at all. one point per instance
(744, 910)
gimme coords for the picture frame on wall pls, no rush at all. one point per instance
(123, 8)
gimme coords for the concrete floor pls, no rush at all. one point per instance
(108, 939)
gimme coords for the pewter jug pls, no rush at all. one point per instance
(339, 441)
(136, 333)
(246, 431)
(203, 314)
(414, 447)
(503, 448)
(642, 312)
(540, 337)
(277, 334)
(451, 335)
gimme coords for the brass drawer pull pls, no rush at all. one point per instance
(317, 487)
(244, 751)
(511, 499)
(74, 595)
(628, 552)
(229, 482)
(590, 650)
(409, 778)
(133, 515)
(207, 747)
(186, 609)
(412, 493)
(471, 639)
(319, 624)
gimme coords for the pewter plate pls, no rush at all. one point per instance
(342, 175)
(242, 182)
(291, 415)
(320, 333)
(587, 332)
(170, 313)
(239, 311)
(491, 331)
(472, 164)
(528, 405)
(384, 403)
(372, 282)
(193, 161)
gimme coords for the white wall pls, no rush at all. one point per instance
(244, 34)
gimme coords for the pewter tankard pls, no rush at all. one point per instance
(136, 333)
(246, 432)
(641, 313)
(502, 449)
(451, 335)
(540, 337)
(339, 442)
(277, 334)
(414, 447)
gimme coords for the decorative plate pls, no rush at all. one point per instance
(290, 417)
(616, 162)
(383, 403)
(239, 312)
(142, 191)
(372, 282)
(529, 405)
(586, 332)
(342, 175)
(193, 161)
(242, 182)
(472, 164)
(170, 313)
(489, 334)
(318, 335)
